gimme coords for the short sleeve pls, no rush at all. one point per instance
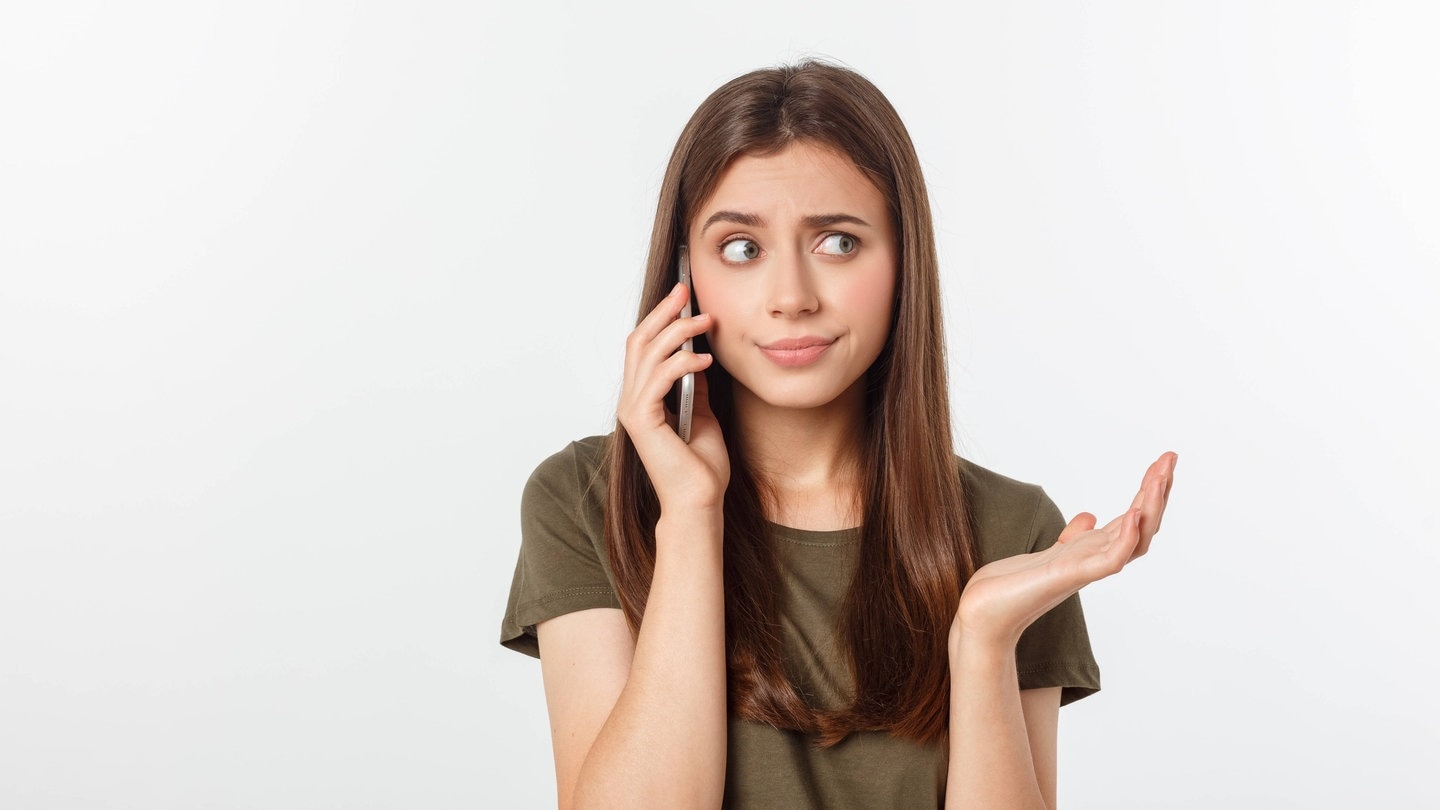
(561, 567)
(1055, 649)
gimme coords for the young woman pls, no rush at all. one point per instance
(814, 603)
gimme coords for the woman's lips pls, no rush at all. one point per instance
(792, 352)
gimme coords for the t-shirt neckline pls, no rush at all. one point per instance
(812, 537)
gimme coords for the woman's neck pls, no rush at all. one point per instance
(808, 461)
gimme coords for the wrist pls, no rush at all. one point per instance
(693, 504)
(691, 520)
(973, 643)
(976, 663)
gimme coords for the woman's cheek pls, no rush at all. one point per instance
(868, 305)
(709, 301)
(715, 337)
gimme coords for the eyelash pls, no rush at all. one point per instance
(720, 249)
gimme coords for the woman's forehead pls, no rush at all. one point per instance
(803, 179)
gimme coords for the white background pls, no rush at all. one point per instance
(296, 295)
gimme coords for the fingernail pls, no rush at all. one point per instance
(677, 288)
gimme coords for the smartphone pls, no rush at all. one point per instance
(685, 387)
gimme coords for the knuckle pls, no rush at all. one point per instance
(667, 367)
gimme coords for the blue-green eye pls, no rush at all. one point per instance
(739, 250)
(838, 244)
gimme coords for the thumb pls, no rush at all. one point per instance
(1079, 524)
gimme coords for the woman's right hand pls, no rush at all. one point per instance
(690, 476)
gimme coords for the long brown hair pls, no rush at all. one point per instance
(917, 547)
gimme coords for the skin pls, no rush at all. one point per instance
(643, 723)
(806, 278)
(1002, 740)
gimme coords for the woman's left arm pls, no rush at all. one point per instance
(1002, 744)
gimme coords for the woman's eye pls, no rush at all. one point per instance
(838, 244)
(739, 250)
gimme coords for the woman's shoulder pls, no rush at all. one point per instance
(1010, 516)
(573, 477)
(584, 457)
(589, 450)
(986, 483)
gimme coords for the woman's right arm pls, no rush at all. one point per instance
(643, 724)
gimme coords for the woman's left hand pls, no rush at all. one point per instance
(1005, 596)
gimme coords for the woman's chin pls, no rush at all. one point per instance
(798, 396)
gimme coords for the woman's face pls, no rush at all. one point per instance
(794, 257)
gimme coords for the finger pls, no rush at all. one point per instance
(1107, 550)
(1123, 549)
(1157, 509)
(670, 342)
(647, 394)
(1079, 524)
(1131, 537)
(1154, 471)
(1150, 514)
(1151, 501)
(644, 414)
(672, 338)
(664, 312)
(639, 357)
(1162, 496)
(1170, 473)
(658, 384)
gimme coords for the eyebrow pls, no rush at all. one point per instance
(756, 221)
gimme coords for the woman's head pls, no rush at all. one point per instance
(812, 104)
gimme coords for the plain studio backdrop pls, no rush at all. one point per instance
(296, 295)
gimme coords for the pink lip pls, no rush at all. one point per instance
(792, 352)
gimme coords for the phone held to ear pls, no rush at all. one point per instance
(684, 392)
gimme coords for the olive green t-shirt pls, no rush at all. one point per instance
(563, 568)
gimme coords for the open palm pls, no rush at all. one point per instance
(1005, 596)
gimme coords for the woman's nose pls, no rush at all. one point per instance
(792, 288)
